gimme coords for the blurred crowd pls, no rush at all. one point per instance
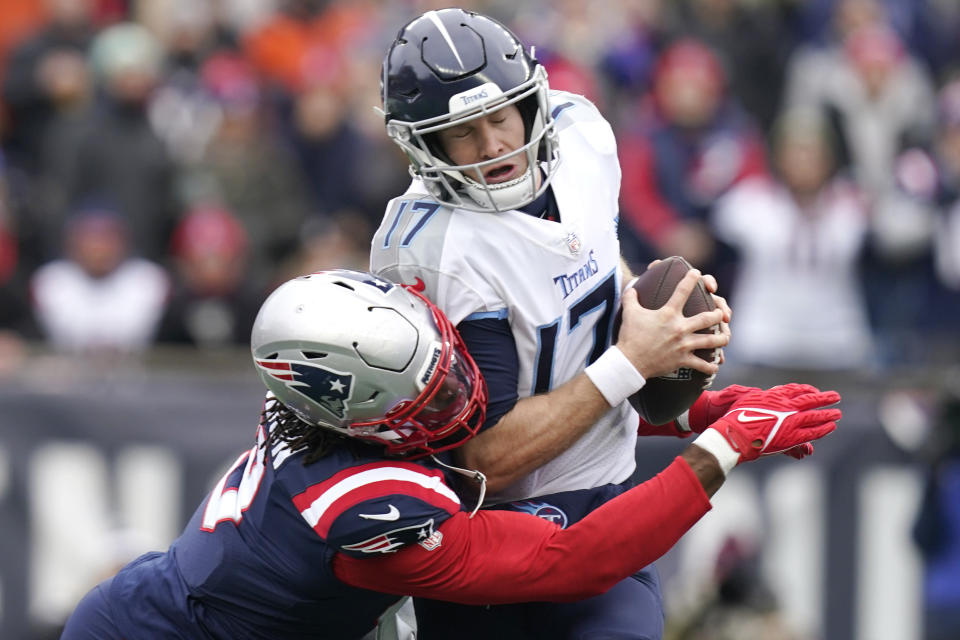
(165, 163)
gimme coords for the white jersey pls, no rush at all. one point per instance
(558, 284)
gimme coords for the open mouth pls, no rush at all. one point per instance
(500, 173)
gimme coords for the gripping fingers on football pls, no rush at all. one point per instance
(683, 290)
(719, 301)
(692, 361)
(704, 320)
(699, 341)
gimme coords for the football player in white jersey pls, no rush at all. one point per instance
(518, 245)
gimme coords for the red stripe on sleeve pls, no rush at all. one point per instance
(501, 557)
(322, 503)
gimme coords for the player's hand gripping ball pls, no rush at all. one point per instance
(664, 398)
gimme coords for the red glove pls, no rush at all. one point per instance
(713, 405)
(780, 419)
(707, 409)
(710, 407)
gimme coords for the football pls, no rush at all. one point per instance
(664, 398)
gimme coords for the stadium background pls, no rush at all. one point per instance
(233, 143)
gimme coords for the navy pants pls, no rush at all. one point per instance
(632, 609)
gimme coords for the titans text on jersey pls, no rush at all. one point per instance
(570, 281)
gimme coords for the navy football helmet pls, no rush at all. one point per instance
(451, 66)
(368, 359)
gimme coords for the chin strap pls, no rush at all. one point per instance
(476, 476)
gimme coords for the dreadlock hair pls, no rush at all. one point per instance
(302, 436)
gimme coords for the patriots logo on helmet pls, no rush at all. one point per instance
(328, 388)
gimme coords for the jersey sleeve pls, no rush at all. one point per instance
(500, 557)
(378, 508)
(575, 115)
(493, 347)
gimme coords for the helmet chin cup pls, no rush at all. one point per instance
(503, 196)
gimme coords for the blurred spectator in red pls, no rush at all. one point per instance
(247, 167)
(800, 238)
(699, 144)
(40, 72)
(115, 155)
(568, 75)
(99, 298)
(213, 303)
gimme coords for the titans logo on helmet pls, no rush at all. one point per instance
(328, 388)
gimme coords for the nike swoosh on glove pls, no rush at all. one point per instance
(780, 419)
(713, 405)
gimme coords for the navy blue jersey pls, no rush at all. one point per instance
(255, 560)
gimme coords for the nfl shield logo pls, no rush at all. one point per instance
(573, 243)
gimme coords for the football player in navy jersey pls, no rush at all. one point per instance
(509, 225)
(344, 503)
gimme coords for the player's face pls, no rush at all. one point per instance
(492, 136)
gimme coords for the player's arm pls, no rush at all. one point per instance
(501, 557)
(539, 428)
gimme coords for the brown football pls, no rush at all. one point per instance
(664, 398)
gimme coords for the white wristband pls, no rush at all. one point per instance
(712, 442)
(614, 376)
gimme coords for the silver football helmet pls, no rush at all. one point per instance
(366, 358)
(452, 66)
